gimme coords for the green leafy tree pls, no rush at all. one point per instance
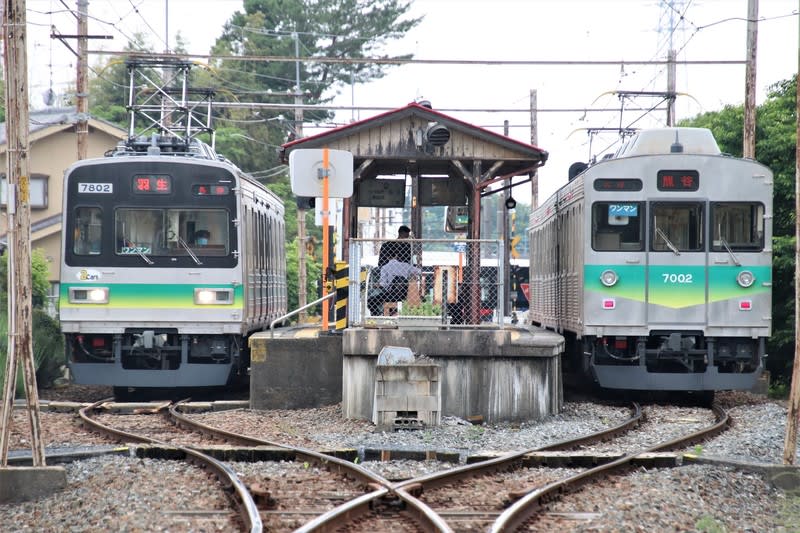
(776, 140)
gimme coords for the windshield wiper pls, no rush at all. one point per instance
(143, 256)
(191, 253)
(728, 248)
(667, 241)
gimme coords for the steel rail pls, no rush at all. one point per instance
(229, 479)
(342, 514)
(406, 490)
(409, 489)
(359, 472)
(527, 506)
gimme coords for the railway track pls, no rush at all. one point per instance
(281, 501)
(525, 509)
(336, 494)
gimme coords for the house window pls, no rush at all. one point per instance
(38, 191)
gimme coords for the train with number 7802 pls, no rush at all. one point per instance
(656, 265)
(171, 258)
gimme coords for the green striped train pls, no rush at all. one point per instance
(171, 258)
(656, 265)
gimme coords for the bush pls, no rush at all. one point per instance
(48, 342)
(48, 351)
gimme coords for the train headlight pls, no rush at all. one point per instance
(213, 296)
(88, 295)
(745, 278)
(609, 278)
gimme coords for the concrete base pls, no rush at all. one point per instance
(513, 374)
(296, 369)
(510, 374)
(19, 483)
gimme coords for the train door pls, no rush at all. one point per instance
(614, 272)
(676, 265)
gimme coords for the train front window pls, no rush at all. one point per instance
(617, 226)
(677, 227)
(172, 232)
(737, 226)
(88, 231)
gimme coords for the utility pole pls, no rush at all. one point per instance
(20, 308)
(749, 138)
(793, 415)
(82, 73)
(534, 140)
(81, 81)
(302, 280)
(669, 15)
(671, 75)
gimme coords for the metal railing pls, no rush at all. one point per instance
(297, 311)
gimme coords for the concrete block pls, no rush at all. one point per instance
(20, 483)
(409, 392)
(295, 373)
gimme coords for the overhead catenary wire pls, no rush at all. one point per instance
(411, 61)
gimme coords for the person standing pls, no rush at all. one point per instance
(396, 248)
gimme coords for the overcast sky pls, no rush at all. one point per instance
(554, 30)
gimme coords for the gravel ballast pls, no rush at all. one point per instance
(120, 493)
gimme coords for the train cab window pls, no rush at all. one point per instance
(617, 226)
(737, 226)
(677, 227)
(172, 232)
(88, 231)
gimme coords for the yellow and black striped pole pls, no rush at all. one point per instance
(341, 285)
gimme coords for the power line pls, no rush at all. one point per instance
(404, 61)
(323, 107)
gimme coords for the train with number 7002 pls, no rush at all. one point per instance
(171, 258)
(656, 265)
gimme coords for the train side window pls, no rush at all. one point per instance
(88, 231)
(737, 226)
(677, 227)
(617, 226)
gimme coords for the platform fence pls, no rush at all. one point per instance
(429, 282)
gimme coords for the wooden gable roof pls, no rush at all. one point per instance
(395, 142)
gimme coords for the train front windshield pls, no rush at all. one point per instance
(677, 226)
(171, 232)
(158, 232)
(169, 214)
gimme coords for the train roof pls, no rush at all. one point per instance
(699, 141)
(165, 145)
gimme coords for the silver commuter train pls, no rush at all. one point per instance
(656, 265)
(171, 257)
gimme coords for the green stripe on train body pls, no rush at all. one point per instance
(148, 295)
(677, 286)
